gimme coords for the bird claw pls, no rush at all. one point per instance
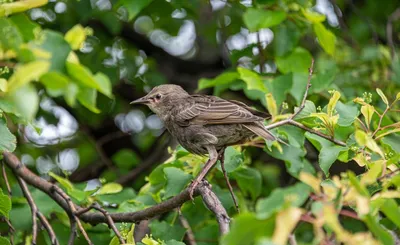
(192, 186)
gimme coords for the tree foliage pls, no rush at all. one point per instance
(70, 68)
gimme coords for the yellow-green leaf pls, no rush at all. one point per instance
(311, 180)
(3, 85)
(367, 111)
(64, 182)
(252, 80)
(286, 221)
(19, 6)
(332, 103)
(109, 188)
(326, 38)
(76, 36)
(398, 96)
(364, 139)
(395, 130)
(383, 97)
(27, 73)
(271, 105)
(312, 16)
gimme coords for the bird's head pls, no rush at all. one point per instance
(162, 97)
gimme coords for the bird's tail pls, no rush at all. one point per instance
(261, 131)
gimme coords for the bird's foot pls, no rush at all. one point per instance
(192, 187)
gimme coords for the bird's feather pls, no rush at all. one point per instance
(208, 110)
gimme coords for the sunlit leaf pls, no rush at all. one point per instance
(19, 6)
(367, 111)
(256, 19)
(364, 139)
(63, 181)
(313, 16)
(286, 220)
(332, 103)
(252, 80)
(27, 73)
(311, 180)
(271, 105)
(326, 38)
(109, 188)
(25, 100)
(7, 140)
(76, 36)
(224, 78)
(382, 95)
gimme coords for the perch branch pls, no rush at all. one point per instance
(97, 217)
(214, 204)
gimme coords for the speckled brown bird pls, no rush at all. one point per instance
(204, 124)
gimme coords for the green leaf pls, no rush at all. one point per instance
(71, 93)
(76, 36)
(313, 16)
(125, 159)
(164, 231)
(286, 38)
(19, 6)
(10, 37)
(8, 141)
(249, 181)
(87, 97)
(223, 79)
(63, 181)
(134, 7)
(25, 26)
(3, 85)
(247, 228)
(256, 19)
(54, 43)
(25, 100)
(4, 240)
(391, 210)
(347, 113)
(85, 77)
(382, 234)
(280, 87)
(233, 159)
(293, 157)
(332, 103)
(297, 61)
(299, 81)
(109, 188)
(55, 83)
(321, 81)
(366, 140)
(177, 179)
(326, 38)
(309, 108)
(296, 195)
(5, 205)
(27, 73)
(252, 80)
(382, 95)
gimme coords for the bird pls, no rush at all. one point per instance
(205, 124)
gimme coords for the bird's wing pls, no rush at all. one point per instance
(213, 110)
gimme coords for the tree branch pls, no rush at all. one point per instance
(36, 213)
(214, 204)
(203, 188)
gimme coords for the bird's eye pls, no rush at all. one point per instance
(158, 96)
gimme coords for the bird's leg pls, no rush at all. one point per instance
(213, 157)
(221, 158)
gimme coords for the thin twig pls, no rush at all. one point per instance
(110, 221)
(292, 239)
(222, 160)
(6, 179)
(11, 229)
(214, 204)
(389, 30)
(8, 64)
(38, 214)
(349, 214)
(73, 233)
(303, 101)
(189, 232)
(388, 175)
(72, 208)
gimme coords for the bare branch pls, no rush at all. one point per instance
(214, 204)
(6, 179)
(222, 160)
(38, 214)
(72, 208)
(110, 221)
(189, 232)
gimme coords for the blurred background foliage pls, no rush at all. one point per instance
(70, 68)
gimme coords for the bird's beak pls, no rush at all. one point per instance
(143, 100)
